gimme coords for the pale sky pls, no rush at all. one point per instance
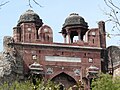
(53, 13)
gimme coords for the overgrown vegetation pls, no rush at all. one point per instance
(28, 85)
(37, 85)
(106, 82)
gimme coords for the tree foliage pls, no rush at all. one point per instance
(28, 85)
(38, 85)
(106, 82)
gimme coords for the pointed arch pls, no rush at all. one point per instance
(64, 79)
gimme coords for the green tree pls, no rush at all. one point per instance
(16, 86)
(106, 82)
(28, 85)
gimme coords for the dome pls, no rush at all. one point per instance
(93, 69)
(36, 68)
(75, 19)
(30, 16)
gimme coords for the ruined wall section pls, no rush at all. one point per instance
(9, 68)
(113, 57)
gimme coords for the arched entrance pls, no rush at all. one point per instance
(65, 80)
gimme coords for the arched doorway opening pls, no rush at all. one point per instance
(64, 80)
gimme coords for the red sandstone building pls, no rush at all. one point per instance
(75, 60)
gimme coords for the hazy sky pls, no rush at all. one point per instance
(53, 13)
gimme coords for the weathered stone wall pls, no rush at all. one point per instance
(8, 61)
(113, 58)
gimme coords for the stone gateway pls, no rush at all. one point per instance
(78, 59)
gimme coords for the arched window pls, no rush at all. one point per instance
(47, 37)
(93, 41)
(29, 36)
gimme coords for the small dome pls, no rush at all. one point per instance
(75, 19)
(93, 69)
(30, 16)
(36, 68)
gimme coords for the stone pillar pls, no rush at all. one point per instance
(79, 35)
(64, 35)
(15, 34)
(101, 26)
(69, 41)
(68, 34)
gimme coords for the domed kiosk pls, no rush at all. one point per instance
(74, 25)
(75, 19)
(30, 16)
(27, 27)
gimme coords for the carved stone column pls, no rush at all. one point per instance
(64, 35)
(68, 33)
(79, 35)
(69, 41)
